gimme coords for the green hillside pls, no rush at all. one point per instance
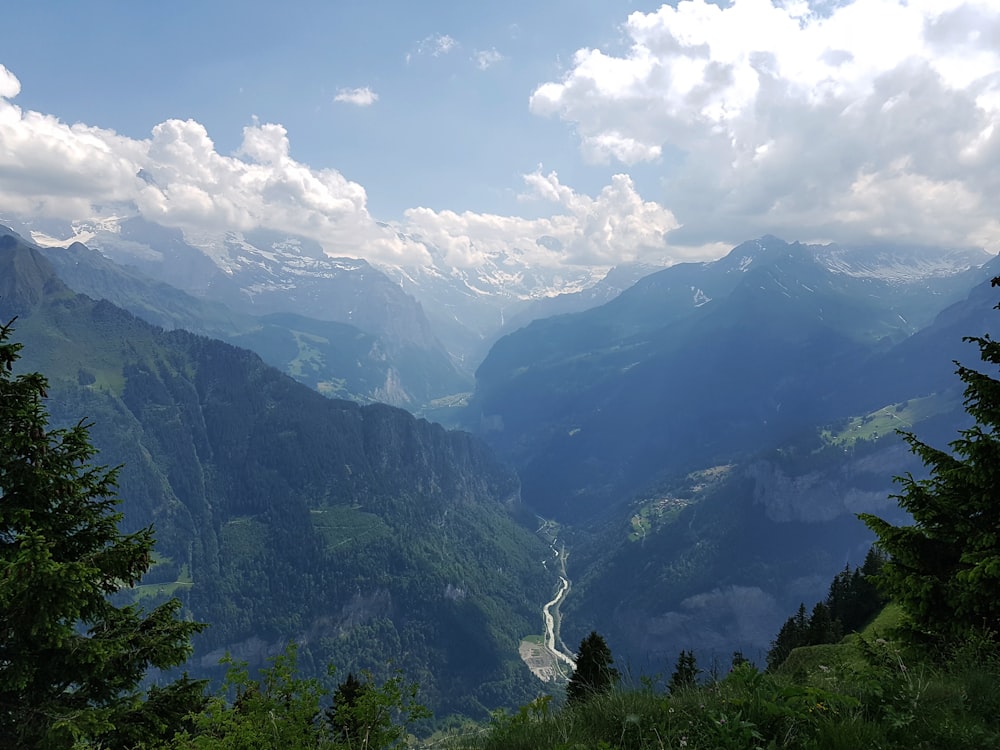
(374, 539)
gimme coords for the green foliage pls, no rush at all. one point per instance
(594, 673)
(854, 599)
(71, 662)
(859, 695)
(685, 673)
(850, 604)
(365, 715)
(284, 711)
(945, 568)
(284, 513)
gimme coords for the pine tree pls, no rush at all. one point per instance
(594, 673)
(737, 661)
(822, 628)
(71, 661)
(853, 599)
(944, 569)
(793, 633)
(685, 672)
(342, 716)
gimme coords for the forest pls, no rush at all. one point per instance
(902, 653)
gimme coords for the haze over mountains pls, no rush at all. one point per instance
(368, 536)
(262, 272)
(701, 438)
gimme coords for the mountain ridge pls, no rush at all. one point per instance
(360, 531)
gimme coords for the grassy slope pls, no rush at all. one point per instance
(865, 692)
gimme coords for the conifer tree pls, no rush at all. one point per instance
(944, 569)
(793, 633)
(685, 672)
(822, 627)
(71, 661)
(342, 715)
(594, 673)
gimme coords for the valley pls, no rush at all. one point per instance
(500, 376)
(703, 453)
(547, 657)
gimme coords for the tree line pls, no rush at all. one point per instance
(74, 666)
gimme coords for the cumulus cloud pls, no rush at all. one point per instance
(363, 97)
(178, 178)
(9, 85)
(78, 172)
(487, 58)
(803, 118)
(51, 169)
(615, 226)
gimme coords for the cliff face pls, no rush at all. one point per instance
(364, 533)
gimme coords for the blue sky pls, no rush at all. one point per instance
(450, 129)
(627, 131)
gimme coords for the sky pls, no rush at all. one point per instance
(570, 132)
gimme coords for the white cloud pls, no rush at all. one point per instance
(858, 119)
(487, 58)
(434, 45)
(9, 85)
(615, 226)
(363, 97)
(77, 172)
(52, 169)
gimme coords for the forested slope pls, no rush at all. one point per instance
(370, 536)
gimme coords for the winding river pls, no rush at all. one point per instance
(551, 627)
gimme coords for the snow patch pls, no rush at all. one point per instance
(700, 298)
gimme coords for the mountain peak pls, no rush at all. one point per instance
(25, 276)
(751, 253)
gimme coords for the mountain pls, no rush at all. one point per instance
(713, 559)
(260, 273)
(691, 365)
(708, 436)
(470, 307)
(367, 535)
(337, 359)
(617, 280)
(462, 307)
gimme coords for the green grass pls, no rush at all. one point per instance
(340, 525)
(666, 505)
(878, 707)
(309, 359)
(888, 419)
(167, 589)
(243, 538)
(868, 691)
(331, 388)
(820, 661)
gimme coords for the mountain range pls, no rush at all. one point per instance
(711, 433)
(426, 307)
(699, 437)
(374, 539)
